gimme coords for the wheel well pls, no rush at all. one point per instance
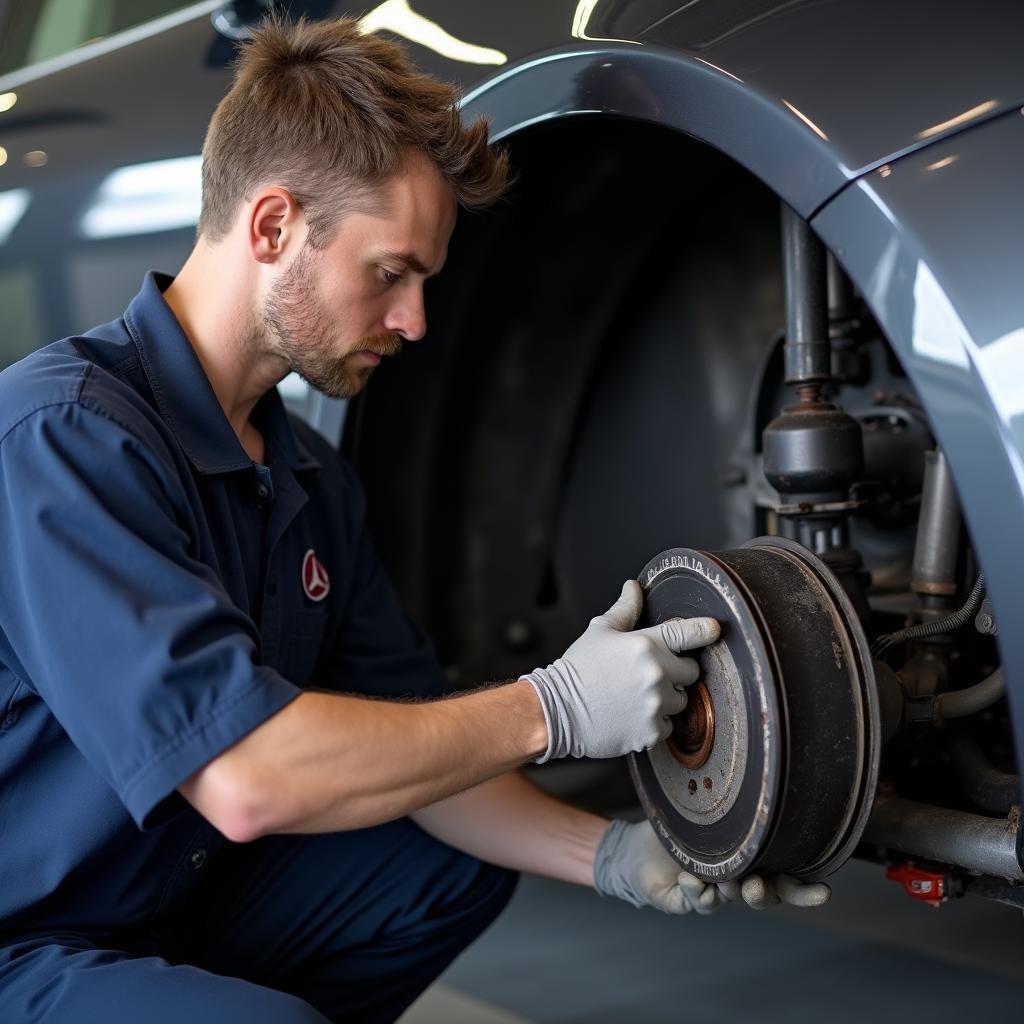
(584, 382)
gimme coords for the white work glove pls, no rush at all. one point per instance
(631, 864)
(615, 689)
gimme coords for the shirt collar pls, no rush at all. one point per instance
(186, 399)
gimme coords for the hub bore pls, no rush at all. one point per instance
(773, 764)
(693, 732)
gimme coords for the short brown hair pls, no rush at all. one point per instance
(328, 113)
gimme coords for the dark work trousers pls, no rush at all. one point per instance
(350, 926)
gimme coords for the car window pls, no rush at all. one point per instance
(36, 30)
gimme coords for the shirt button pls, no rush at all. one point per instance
(198, 859)
(262, 490)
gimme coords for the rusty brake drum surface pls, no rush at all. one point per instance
(773, 765)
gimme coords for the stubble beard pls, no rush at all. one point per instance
(302, 332)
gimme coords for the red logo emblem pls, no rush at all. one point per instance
(315, 581)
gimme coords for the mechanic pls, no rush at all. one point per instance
(231, 785)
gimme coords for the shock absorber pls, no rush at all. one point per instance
(938, 535)
(813, 451)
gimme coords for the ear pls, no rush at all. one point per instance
(276, 224)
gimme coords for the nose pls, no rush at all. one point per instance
(408, 316)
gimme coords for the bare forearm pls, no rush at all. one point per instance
(329, 762)
(511, 822)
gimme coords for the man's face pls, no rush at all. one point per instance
(334, 312)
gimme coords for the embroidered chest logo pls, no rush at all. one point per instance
(315, 581)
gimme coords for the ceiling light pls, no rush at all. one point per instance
(13, 205)
(398, 17)
(161, 195)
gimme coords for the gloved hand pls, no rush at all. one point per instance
(631, 863)
(613, 691)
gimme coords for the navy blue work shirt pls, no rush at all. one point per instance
(161, 595)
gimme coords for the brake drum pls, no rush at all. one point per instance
(774, 763)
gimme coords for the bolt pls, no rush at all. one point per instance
(707, 782)
(692, 786)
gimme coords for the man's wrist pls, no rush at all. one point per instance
(605, 855)
(536, 730)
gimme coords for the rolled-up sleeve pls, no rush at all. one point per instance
(110, 617)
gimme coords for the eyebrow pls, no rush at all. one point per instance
(409, 260)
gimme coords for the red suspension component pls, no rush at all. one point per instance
(931, 887)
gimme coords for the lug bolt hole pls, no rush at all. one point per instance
(692, 786)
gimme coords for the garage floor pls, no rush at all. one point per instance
(561, 954)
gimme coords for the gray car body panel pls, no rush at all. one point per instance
(670, 89)
(875, 78)
(934, 244)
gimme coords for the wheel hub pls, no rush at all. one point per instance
(693, 732)
(774, 762)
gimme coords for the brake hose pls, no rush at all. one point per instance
(961, 703)
(947, 624)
